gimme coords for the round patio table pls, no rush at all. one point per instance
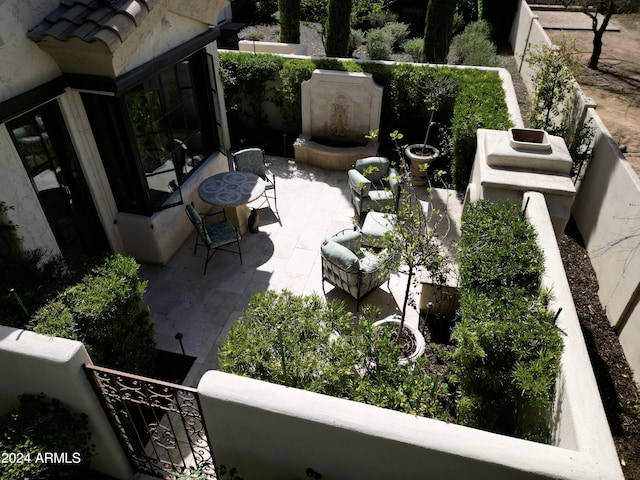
(232, 191)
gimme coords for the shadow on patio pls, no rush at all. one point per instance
(313, 204)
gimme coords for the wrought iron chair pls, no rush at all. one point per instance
(213, 236)
(252, 160)
(374, 185)
(352, 269)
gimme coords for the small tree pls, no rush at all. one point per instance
(289, 21)
(554, 71)
(412, 241)
(600, 13)
(438, 30)
(338, 28)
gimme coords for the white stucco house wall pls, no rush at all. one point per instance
(110, 115)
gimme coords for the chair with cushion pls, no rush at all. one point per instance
(374, 185)
(252, 160)
(213, 236)
(352, 269)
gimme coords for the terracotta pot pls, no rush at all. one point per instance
(418, 158)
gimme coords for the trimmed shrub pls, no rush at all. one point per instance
(508, 348)
(398, 32)
(104, 312)
(438, 30)
(379, 44)
(414, 48)
(356, 38)
(289, 20)
(303, 342)
(245, 78)
(480, 103)
(40, 425)
(338, 28)
(474, 47)
(292, 74)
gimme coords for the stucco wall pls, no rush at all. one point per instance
(23, 65)
(605, 208)
(33, 363)
(156, 238)
(272, 432)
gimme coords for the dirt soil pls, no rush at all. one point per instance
(615, 86)
(615, 379)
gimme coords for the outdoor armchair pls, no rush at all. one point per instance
(374, 185)
(347, 266)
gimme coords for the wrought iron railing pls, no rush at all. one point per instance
(159, 424)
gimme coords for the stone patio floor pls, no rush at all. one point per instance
(313, 204)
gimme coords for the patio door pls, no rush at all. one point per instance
(49, 158)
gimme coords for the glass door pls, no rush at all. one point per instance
(47, 153)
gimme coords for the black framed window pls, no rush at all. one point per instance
(152, 136)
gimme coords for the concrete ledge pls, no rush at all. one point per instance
(331, 158)
(272, 47)
(271, 432)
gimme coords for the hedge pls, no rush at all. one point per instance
(480, 104)
(104, 312)
(508, 348)
(249, 80)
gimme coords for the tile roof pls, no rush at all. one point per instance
(108, 21)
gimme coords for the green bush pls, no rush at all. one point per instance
(507, 346)
(303, 342)
(438, 30)
(356, 38)
(245, 78)
(104, 312)
(371, 13)
(480, 103)
(398, 33)
(314, 11)
(289, 11)
(474, 46)
(292, 74)
(379, 44)
(338, 28)
(414, 48)
(39, 425)
(30, 278)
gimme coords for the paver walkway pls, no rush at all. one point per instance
(313, 204)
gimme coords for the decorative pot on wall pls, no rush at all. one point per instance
(418, 157)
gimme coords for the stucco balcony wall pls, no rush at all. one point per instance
(33, 363)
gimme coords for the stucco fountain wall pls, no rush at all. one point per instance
(339, 109)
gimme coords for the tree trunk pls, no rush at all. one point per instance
(597, 50)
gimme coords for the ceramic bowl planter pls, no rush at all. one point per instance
(419, 342)
(420, 154)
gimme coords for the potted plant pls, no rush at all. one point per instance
(436, 89)
(413, 243)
